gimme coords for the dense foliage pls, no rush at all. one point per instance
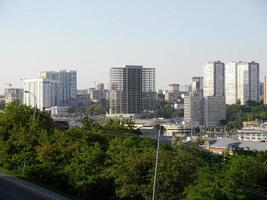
(110, 161)
(236, 114)
(99, 108)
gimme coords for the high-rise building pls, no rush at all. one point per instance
(194, 109)
(197, 84)
(13, 94)
(67, 83)
(242, 82)
(213, 79)
(265, 90)
(132, 89)
(214, 94)
(40, 92)
(214, 111)
(173, 93)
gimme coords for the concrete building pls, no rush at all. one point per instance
(132, 89)
(242, 82)
(214, 111)
(173, 93)
(45, 92)
(67, 83)
(14, 94)
(197, 84)
(213, 91)
(265, 90)
(194, 110)
(213, 79)
(98, 93)
(185, 88)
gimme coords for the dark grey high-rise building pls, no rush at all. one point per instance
(132, 89)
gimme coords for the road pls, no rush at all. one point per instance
(12, 188)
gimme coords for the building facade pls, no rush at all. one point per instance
(214, 94)
(14, 94)
(173, 93)
(41, 93)
(242, 82)
(213, 79)
(132, 89)
(197, 84)
(194, 110)
(67, 83)
(99, 93)
(214, 111)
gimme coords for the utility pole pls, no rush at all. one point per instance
(156, 165)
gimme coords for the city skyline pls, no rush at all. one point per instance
(47, 36)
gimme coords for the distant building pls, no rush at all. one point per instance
(213, 79)
(173, 93)
(185, 88)
(197, 84)
(67, 83)
(242, 82)
(214, 111)
(265, 90)
(99, 93)
(45, 92)
(194, 110)
(213, 91)
(132, 89)
(227, 146)
(14, 94)
(59, 110)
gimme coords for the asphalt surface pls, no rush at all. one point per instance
(12, 191)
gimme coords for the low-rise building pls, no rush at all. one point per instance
(14, 94)
(227, 146)
(253, 132)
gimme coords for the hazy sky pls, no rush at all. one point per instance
(177, 37)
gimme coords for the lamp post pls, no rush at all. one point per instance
(156, 164)
(34, 114)
(35, 101)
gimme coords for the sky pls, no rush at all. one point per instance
(177, 37)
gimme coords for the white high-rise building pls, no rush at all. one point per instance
(40, 92)
(241, 82)
(213, 79)
(214, 94)
(67, 83)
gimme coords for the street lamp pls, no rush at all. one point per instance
(34, 114)
(156, 164)
(35, 101)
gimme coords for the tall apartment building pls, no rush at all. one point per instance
(213, 79)
(67, 83)
(214, 94)
(42, 93)
(132, 89)
(242, 82)
(265, 90)
(14, 94)
(194, 109)
(197, 84)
